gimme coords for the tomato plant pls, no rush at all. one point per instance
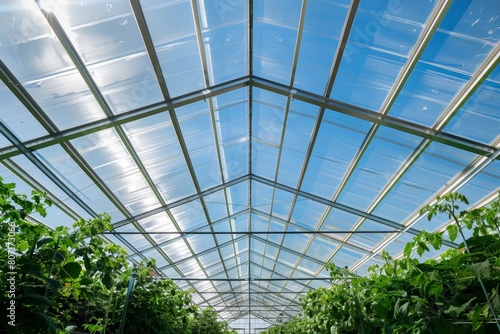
(457, 293)
(68, 281)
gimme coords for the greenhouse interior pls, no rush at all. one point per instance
(245, 145)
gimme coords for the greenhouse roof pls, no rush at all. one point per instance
(246, 144)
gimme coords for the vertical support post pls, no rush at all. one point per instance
(127, 298)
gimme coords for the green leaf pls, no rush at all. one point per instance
(408, 249)
(493, 248)
(482, 269)
(54, 285)
(34, 298)
(421, 247)
(88, 265)
(70, 329)
(71, 270)
(45, 318)
(107, 280)
(23, 246)
(437, 241)
(452, 231)
(43, 241)
(455, 311)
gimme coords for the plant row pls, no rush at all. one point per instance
(455, 293)
(73, 281)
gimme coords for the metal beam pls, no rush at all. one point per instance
(44, 169)
(252, 279)
(375, 117)
(182, 201)
(185, 233)
(113, 120)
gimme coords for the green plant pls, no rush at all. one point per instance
(67, 281)
(457, 293)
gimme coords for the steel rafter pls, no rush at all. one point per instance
(146, 36)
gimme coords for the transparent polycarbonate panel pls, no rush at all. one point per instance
(196, 126)
(237, 196)
(475, 19)
(4, 142)
(111, 161)
(110, 44)
(30, 49)
(160, 260)
(322, 29)
(210, 259)
(339, 220)
(215, 269)
(38, 60)
(379, 42)
(321, 247)
(259, 224)
(299, 128)
(467, 34)
(101, 34)
(485, 182)
(223, 226)
(268, 116)
(189, 216)
(346, 257)
(308, 267)
(297, 242)
(232, 129)
(216, 205)
(231, 109)
(427, 93)
(137, 240)
(224, 34)
(172, 29)
(180, 63)
(273, 249)
(363, 270)
(388, 26)
(66, 99)
(385, 155)
(262, 197)
(159, 222)
(437, 166)
(273, 51)
(282, 203)
(17, 118)
(156, 144)
(368, 241)
(177, 250)
(127, 84)
(239, 223)
(366, 76)
(479, 119)
(338, 140)
(288, 258)
(308, 213)
(281, 270)
(201, 242)
(191, 268)
(68, 171)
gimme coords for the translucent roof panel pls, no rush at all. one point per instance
(246, 144)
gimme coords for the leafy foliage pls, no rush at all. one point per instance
(404, 295)
(74, 281)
